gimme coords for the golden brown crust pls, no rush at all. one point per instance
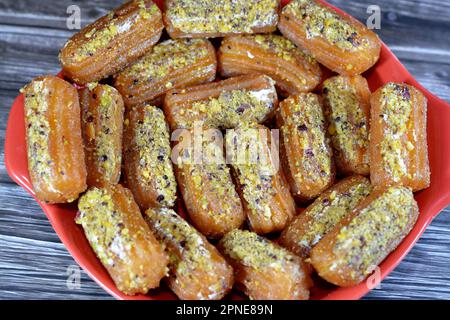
(323, 214)
(261, 184)
(102, 127)
(305, 148)
(341, 43)
(347, 110)
(121, 239)
(54, 144)
(223, 104)
(147, 166)
(112, 42)
(273, 55)
(264, 270)
(197, 270)
(365, 237)
(171, 64)
(398, 137)
(210, 197)
(208, 19)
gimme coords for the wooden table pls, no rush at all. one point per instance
(33, 262)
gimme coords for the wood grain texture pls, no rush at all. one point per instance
(33, 262)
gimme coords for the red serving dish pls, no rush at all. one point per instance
(431, 201)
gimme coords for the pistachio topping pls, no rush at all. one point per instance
(396, 111)
(96, 40)
(307, 124)
(281, 46)
(229, 109)
(371, 234)
(168, 56)
(319, 21)
(191, 252)
(222, 16)
(348, 125)
(210, 174)
(103, 223)
(153, 142)
(254, 251)
(38, 131)
(326, 212)
(252, 160)
(106, 156)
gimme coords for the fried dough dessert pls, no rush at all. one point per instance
(102, 128)
(305, 148)
(293, 70)
(341, 43)
(398, 137)
(121, 239)
(112, 42)
(365, 237)
(147, 166)
(54, 144)
(264, 270)
(252, 152)
(197, 271)
(171, 64)
(223, 104)
(303, 233)
(210, 19)
(347, 110)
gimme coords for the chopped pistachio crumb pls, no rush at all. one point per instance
(281, 46)
(186, 247)
(396, 111)
(307, 124)
(153, 142)
(326, 212)
(105, 148)
(229, 109)
(222, 16)
(167, 57)
(370, 235)
(91, 86)
(348, 125)
(252, 159)
(320, 21)
(254, 251)
(104, 225)
(38, 130)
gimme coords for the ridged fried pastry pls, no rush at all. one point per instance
(264, 191)
(306, 152)
(171, 64)
(210, 197)
(54, 144)
(197, 271)
(347, 110)
(292, 69)
(102, 127)
(147, 166)
(364, 238)
(398, 137)
(264, 270)
(112, 42)
(341, 43)
(223, 104)
(121, 239)
(302, 234)
(207, 19)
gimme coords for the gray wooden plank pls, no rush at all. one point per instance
(33, 262)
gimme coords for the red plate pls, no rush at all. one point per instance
(431, 201)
